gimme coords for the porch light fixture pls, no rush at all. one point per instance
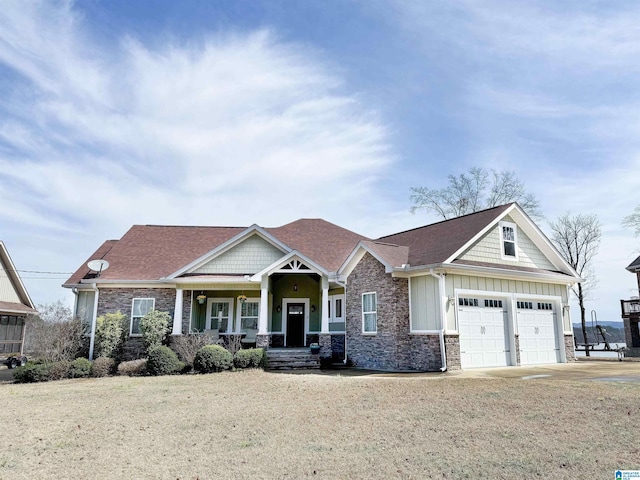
(566, 307)
(313, 308)
(242, 298)
(278, 309)
(295, 287)
(201, 298)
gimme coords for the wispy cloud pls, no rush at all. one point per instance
(236, 128)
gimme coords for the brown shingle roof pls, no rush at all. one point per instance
(323, 242)
(435, 243)
(151, 252)
(393, 255)
(12, 307)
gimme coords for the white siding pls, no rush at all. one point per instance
(7, 292)
(424, 303)
(488, 249)
(466, 282)
(250, 256)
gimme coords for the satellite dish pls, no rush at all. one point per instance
(98, 265)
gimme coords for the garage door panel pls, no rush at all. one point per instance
(538, 337)
(483, 338)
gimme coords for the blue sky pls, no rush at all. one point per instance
(239, 112)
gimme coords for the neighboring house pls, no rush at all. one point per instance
(486, 289)
(15, 305)
(631, 315)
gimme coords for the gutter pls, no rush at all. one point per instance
(440, 277)
(344, 285)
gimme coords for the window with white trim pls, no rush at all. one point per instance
(335, 313)
(139, 308)
(249, 311)
(369, 312)
(508, 238)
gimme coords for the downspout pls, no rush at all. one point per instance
(344, 285)
(443, 318)
(92, 340)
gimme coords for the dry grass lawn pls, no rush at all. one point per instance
(262, 425)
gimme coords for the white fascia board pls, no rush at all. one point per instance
(315, 268)
(480, 234)
(497, 272)
(232, 242)
(127, 283)
(356, 255)
(212, 279)
(14, 276)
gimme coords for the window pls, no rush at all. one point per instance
(508, 238)
(493, 303)
(141, 306)
(545, 306)
(369, 313)
(249, 315)
(468, 302)
(219, 318)
(525, 305)
(335, 309)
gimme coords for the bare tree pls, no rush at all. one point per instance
(473, 191)
(577, 237)
(633, 221)
(54, 334)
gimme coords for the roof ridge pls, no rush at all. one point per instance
(447, 220)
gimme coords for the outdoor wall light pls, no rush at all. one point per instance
(295, 287)
(278, 309)
(313, 308)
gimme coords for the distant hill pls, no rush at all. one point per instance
(615, 332)
(617, 324)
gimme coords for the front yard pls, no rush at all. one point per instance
(254, 424)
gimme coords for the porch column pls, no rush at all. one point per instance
(324, 319)
(177, 314)
(324, 339)
(263, 318)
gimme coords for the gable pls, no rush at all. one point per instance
(8, 291)
(488, 249)
(250, 256)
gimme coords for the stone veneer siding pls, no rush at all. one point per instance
(569, 348)
(392, 347)
(452, 351)
(112, 300)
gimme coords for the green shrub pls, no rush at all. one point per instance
(102, 366)
(133, 367)
(32, 372)
(212, 358)
(163, 361)
(80, 368)
(186, 346)
(154, 327)
(249, 358)
(111, 332)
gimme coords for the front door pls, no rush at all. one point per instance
(295, 325)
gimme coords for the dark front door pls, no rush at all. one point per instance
(295, 325)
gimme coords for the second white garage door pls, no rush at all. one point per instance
(482, 325)
(537, 329)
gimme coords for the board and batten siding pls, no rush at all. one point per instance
(499, 286)
(251, 256)
(488, 249)
(425, 310)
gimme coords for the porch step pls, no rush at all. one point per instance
(291, 359)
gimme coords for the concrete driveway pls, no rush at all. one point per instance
(605, 371)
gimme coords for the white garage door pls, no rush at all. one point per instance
(483, 333)
(537, 328)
